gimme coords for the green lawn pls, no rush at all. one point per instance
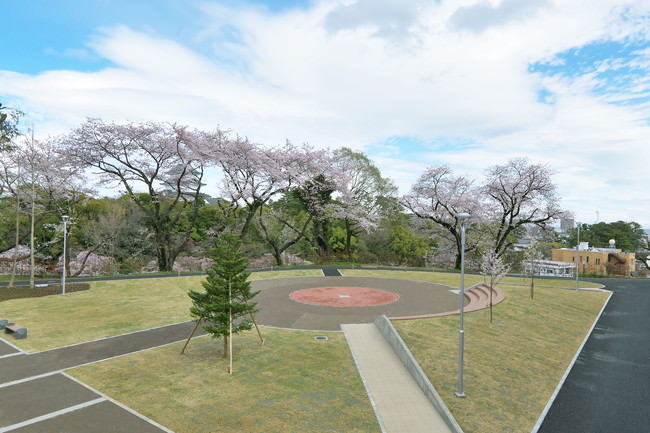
(453, 279)
(513, 365)
(291, 384)
(296, 384)
(109, 308)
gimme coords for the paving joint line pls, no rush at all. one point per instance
(106, 338)
(52, 415)
(29, 379)
(117, 403)
(12, 345)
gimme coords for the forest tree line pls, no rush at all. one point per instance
(317, 204)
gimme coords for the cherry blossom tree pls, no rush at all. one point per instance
(158, 166)
(254, 175)
(9, 186)
(493, 267)
(316, 197)
(283, 224)
(440, 196)
(516, 194)
(532, 256)
(43, 180)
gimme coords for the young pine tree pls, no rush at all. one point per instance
(225, 307)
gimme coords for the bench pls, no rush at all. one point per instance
(19, 333)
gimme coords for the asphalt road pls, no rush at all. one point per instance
(608, 388)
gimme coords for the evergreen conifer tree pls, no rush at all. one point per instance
(225, 307)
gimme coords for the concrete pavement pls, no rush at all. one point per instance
(62, 404)
(398, 401)
(38, 397)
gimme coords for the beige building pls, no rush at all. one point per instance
(601, 261)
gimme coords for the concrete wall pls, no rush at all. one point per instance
(404, 354)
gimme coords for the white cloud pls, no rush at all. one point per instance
(353, 73)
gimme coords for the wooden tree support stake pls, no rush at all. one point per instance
(198, 322)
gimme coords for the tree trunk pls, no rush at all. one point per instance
(491, 290)
(458, 251)
(348, 239)
(83, 262)
(164, 259)
(15, 258)
(32, 261)
(278, 256)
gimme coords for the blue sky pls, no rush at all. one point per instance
(412, 83)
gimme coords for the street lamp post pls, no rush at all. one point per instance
(65, 237)
(578, 259)
(462, 218)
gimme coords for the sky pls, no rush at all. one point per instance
(410, 83)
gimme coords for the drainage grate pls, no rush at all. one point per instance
(321, 338)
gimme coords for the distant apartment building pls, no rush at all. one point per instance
(602, 261)
(566, 224)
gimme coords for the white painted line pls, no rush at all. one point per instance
(455, 291)
(126, 408)
(10, 355)
(27, 379)
(108, 338)
(13, 345)
(51, 415)
(540, 420)
(130, 353)
(51, 373)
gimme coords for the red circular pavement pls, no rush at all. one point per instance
(344, 296)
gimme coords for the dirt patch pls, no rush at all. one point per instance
(7, 293)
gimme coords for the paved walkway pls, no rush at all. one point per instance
(42, 398)
(38, 397)
(608, 387)
(399, 403)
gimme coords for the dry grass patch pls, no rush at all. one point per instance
(511, 366)
(292, 384)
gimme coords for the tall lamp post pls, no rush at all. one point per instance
(462, 218)
(578, 259)
(65, 238)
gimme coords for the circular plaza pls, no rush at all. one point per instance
(324, 303)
